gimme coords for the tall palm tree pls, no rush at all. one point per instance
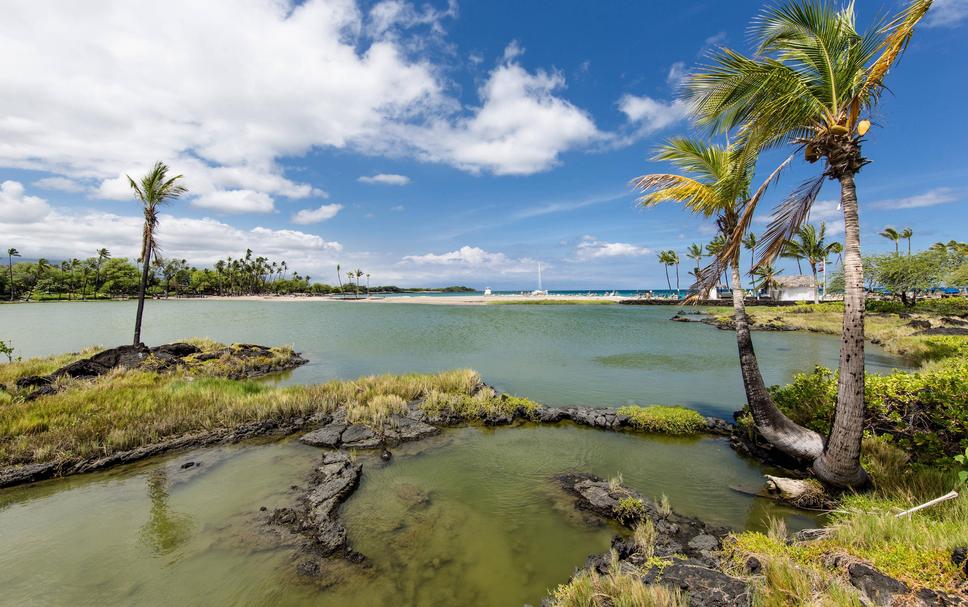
(715, 249)
(154, 190)
(367, 284)
(893, 235)
(790, 251)
(339, 277)
(695, 253)
(359, 275)
(42, 266)
(717, 184)
(11, 253)
(102, 256)
(813, 77)
(767, 275)
(665, 258)
(907, 233)
(811, 244)
(750, 242)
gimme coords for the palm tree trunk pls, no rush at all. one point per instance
(840, 463)
(141, 296)
(782, 432)
(816, 285)
(10, 268)
(668, 282)
(677, 280)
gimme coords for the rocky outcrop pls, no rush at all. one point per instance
(686, 551)
(164, 358)
(884, 591)
(338, 433)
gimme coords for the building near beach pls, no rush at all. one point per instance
(794, 288)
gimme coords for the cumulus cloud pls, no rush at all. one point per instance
(946, 13)
(62, 184)
(930, 198)
(520, 128)
(592, 248)
(17, 208)
(96, 102)
(40, 230)
(651, 115)
(474, 259)
(236, 201)
(385, 179)
(307, 216)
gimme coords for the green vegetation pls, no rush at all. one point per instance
(482, 404)
(914, 548)
(620, 587)
(664, 419)
(629, 509)
(128, 409)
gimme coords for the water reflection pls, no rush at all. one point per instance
(165, 529)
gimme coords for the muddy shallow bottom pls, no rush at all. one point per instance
(466, 518)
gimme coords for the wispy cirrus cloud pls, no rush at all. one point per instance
(385, 179)
(591, 248)
(930, 198)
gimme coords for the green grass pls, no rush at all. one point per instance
(618, 588)
(128, 409)
(12, 371)
(664, 419)
(915, 549)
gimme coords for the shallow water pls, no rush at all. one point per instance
(559, 355)
(464, 519)
(469, 518)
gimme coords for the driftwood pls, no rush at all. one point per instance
(803, 493)
(948, 496)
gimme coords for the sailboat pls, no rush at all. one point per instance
(539, 290)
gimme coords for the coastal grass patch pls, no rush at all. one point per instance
(10, 372)
(127, 409)
(619, 587)
(664, 419)
(915, 548)
(479, 405)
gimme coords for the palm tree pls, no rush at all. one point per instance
(102, 256)
(812, 78)
(719, 185)
(767, 274)
(339, 277)
(811, 244)
(893, 235)
(359, 275)
(154, 190)
(367, 284)
(695, 253)
(715, 249)
(11, 253)
(907, 233)
(666, 259)
(750, 242)
(42, 265)
(790, 252)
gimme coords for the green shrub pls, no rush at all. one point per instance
(949, 306)
(630, 509)
(925, 413)
(664, 419)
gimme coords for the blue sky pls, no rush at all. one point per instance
(428, 144)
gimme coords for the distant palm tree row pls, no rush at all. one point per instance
(811, 82)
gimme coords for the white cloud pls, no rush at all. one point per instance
(592, 248)
(236, 201)
(677, 74)
(307, 216)
(474, 259)
(385, 179)
(652, 114)
(57, 233)
(62, 184)
(97, 101)
(397, 208)
(930, 198)
(17, 208)
(520, 128)
(946, 13)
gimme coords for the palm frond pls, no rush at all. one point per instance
(697, 197)
(897, 35)
(788, 216)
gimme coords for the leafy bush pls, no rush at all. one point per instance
(925, 413)
(630, 509)
(664, 419)
(948, 306)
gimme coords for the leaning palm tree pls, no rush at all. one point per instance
(11, 253)
(812, 82)
(102, 256)
(907, 233)
(154, 190)
(339, 277)
(717, 184)
(894, 236)
(715, 249)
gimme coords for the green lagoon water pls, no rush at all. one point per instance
(468, 518)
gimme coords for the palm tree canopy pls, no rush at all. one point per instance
(12, 252)
(891, 234)
(155, 189)
(695, 252)
(811, 244)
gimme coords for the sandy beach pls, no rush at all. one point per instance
(446, 300)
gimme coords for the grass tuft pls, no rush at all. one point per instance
(664, 419)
